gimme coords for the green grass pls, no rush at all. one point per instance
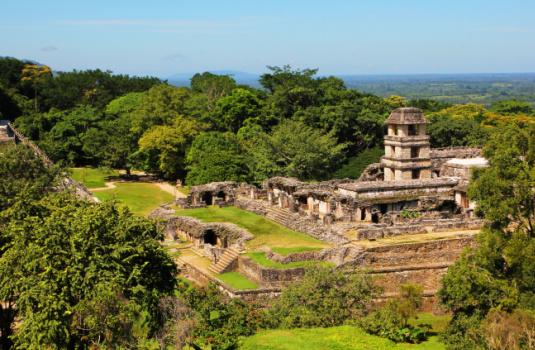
(184, 190)
(438, 322)
(266, 232)
(261, 259)
(237, 281)
(334, 338)
(141, 198)
(291, 250)
(92, 177)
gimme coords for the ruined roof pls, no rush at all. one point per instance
(478, 162)
(367, 186)
(214, 186)
(406, 115)
(455, 152)
(284, 181)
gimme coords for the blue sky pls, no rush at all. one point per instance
(339, 37)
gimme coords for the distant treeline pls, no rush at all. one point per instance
(296, 124)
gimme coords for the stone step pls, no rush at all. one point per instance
(224, 262)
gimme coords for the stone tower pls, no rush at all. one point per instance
(406, 146)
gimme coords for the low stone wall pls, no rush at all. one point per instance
(416, 227)
(266, 276)
(412, 254)
(259, 295)
(254, 206)
(336, 255)
(376, 233)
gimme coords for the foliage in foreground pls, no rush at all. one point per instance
(392, 320)
(498, 275)
(333, 338)
(79, 274)
(323, 298)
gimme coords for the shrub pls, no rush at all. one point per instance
(324, 298)
(392, 320)
(510, 331)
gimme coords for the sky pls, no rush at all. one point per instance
(162, 38)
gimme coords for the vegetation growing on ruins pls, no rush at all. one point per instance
(265, 232)
(263, 260)
(237, 281)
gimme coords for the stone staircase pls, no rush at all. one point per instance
(281, 216)
(229, 256)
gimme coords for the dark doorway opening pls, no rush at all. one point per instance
(415, 174)
(363, 214)
(210, 237)
(207, 198)
(375, 218)
(221, 195)
(383, 208)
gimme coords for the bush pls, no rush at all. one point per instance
(392, 320)
(324, 298)
(510, 331)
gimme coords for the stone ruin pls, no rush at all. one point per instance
(413, 190)
(214, 193)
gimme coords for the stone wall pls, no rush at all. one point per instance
(266, 276)
(413, 254)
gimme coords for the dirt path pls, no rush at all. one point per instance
(109, 186)
(164, 186)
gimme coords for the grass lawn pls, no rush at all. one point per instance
(261, 259)
(237, 281)
(439, 322)
(184, 190)
(288, 251)
(141, 198)
(92, 177)
(266, 232)
(334, 338)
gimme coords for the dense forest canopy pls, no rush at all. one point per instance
(296, 124)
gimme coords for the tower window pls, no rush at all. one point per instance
(416, 174)
(415, 152)
(413, 130)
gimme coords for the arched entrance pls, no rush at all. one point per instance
(207, 198)
(210, 237)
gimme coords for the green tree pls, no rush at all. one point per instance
(447, 132)
(162, 148)
(233, 110)
(161, 105)
(509, 107)
(292, 149)
(212, 86)
(82, 274)
(216, 156)
(23, 174)
(499, 272)
(65, 140)
(36, 76)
